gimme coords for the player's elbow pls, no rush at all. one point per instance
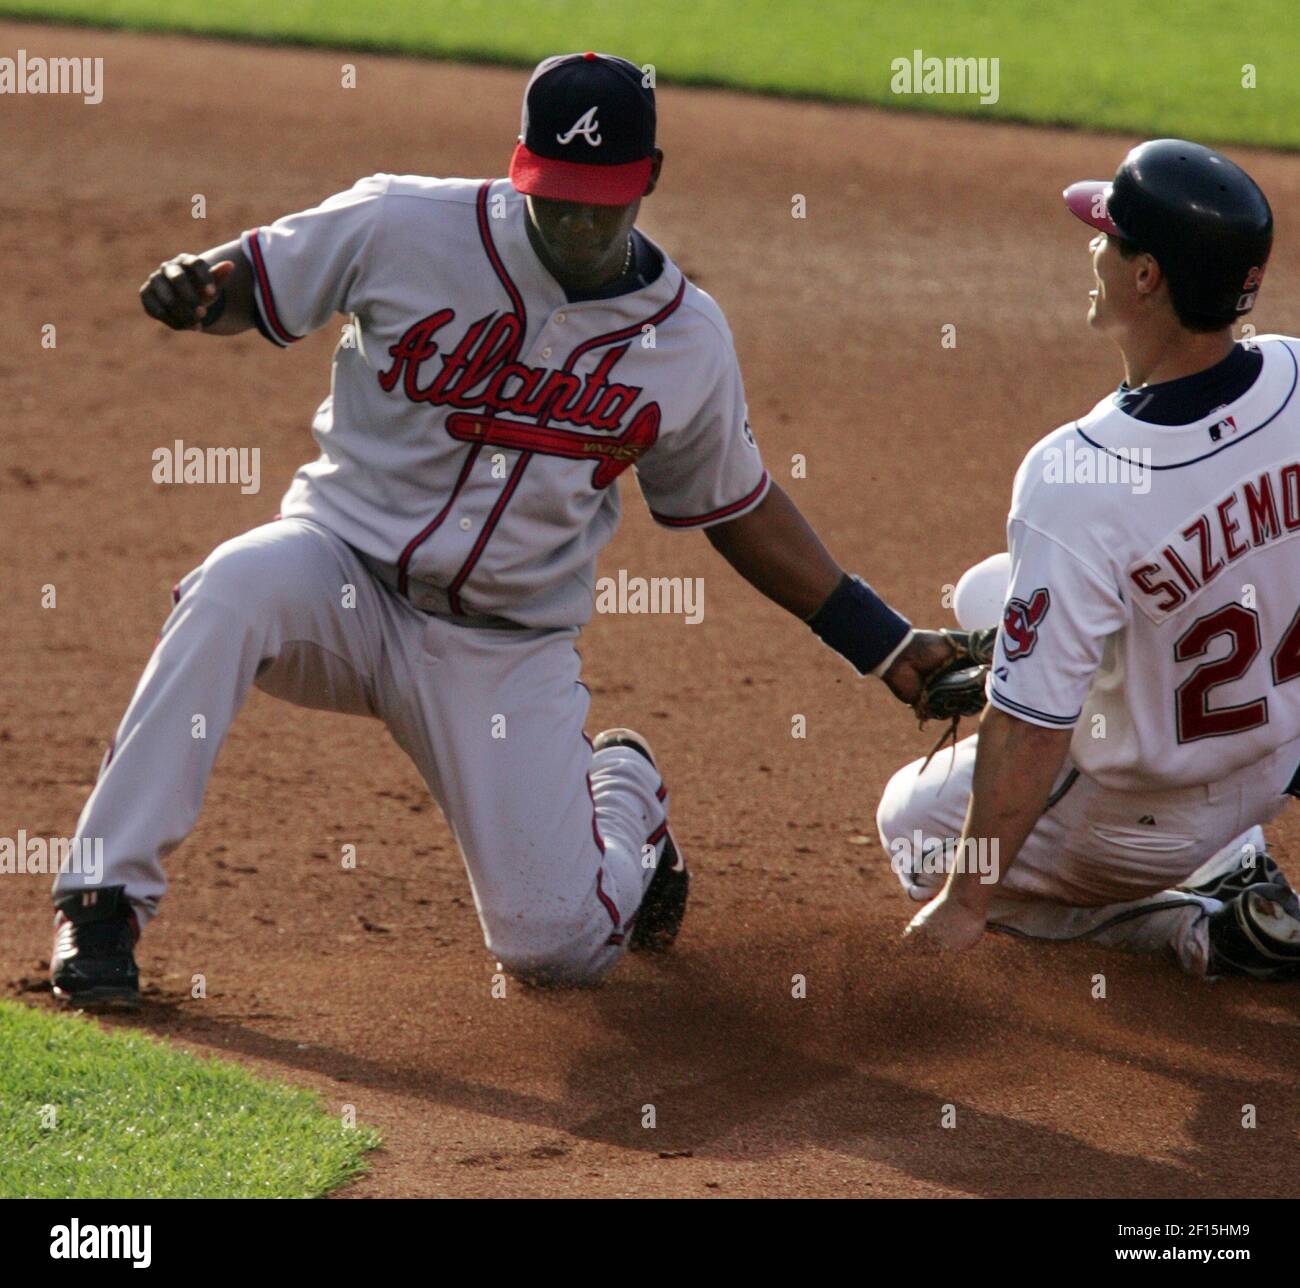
(1003, 725)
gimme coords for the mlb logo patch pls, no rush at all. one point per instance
(1225, 428)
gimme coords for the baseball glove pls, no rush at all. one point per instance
(957, 688)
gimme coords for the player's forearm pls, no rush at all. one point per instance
(1016, 765)
(774, 548)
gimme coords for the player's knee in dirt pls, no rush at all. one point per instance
(905, 819)
(898, 814)
(558, 961)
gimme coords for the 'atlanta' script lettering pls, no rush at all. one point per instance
(482, 373)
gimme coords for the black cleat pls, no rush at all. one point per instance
(663, 906)
(1254, 867)
(1257, 934)
(93, 959)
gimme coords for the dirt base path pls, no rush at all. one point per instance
(373, 985)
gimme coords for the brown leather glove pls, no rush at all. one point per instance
(957, 688)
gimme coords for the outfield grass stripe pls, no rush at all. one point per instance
(1156, 68)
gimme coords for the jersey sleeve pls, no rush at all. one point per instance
(710, 469)
(1057, 616)
(308, 266)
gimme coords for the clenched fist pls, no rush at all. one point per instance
(179, 292)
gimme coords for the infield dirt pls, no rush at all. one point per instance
(373, 985)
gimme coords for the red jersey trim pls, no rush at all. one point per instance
(605, 899)
(628, 332)
(517, 304)
(265, 293)
(726, 512)
(436, 522)
(453, 591)
(494, 257)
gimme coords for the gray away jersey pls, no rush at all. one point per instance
(477, 420)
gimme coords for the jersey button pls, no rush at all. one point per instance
(546, 353)
(466, 524)
(559, 317)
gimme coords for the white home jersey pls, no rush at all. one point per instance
(477, 420)
(1154, 600)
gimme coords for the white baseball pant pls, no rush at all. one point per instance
(1091, 868)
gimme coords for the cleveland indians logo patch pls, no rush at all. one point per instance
(1020, 621)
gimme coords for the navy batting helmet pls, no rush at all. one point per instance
(1201, 216)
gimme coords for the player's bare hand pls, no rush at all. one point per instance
(926, 652)
(947, 924)
(179, 292)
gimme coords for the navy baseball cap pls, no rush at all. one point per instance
(588, 131)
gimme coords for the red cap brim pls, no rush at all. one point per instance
(592, 185)
(1087, 200)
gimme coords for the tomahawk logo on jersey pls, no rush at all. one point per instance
(1172, 644)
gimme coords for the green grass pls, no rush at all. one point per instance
(133, 1117)
(1156, 67)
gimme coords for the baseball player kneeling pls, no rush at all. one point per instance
(1144, 691)
(513, 346)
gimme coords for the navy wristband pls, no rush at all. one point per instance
(859, 625)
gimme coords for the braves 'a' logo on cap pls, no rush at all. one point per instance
(1020, 622)
(586, 125)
